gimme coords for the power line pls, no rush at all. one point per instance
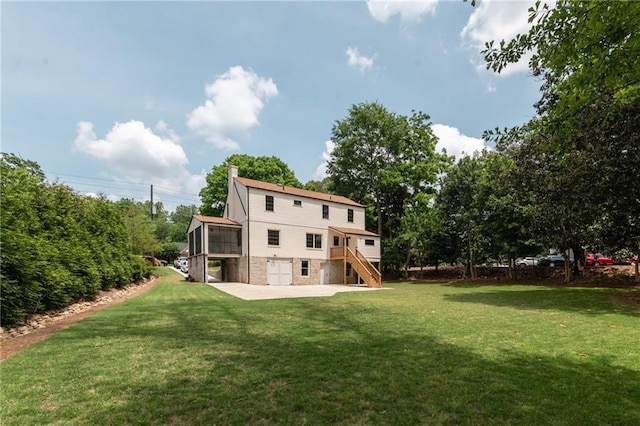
(121, 181)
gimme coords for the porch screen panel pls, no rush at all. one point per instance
(198, 238)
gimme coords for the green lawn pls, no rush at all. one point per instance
(419, 354)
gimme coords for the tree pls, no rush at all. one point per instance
(140, 227)
(180, 219)
(168, 252)
(385, 161)
(266, 169)
(585, 137)
(57, 246)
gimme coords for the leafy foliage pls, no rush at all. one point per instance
(57, 246)
(581, 151)
(388, 163)
(267, 169)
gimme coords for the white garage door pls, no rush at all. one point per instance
(279, 272)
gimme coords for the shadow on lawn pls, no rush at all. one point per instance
(583, 300)
(343, 366)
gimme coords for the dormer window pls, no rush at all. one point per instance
(268, 203)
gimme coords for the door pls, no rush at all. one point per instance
(279, 272)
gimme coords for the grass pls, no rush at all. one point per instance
(419, 354)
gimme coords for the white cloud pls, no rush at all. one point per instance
(234, 101)
(455, 143)
(359, 61)
(497, 20)
(321, 170)
(135, 152)
(409, 11)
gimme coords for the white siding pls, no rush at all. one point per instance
(247, 207)
(370, 252)
(309, 214)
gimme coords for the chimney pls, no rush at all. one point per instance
(233, 173)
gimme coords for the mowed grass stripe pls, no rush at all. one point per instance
(188, 354)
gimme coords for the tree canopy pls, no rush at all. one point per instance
(387, 162)
(582, 148)
(267, 169)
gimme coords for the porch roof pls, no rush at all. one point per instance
(216, 220)
(353, 231)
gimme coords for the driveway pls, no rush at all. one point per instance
(265, 292)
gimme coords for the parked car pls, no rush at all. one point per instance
(527, 261)
(184, 268)
(551, 260)
(179, 261)
(598, 259)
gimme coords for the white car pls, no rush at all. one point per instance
(184, 267)
(527, 261)
(179, 261)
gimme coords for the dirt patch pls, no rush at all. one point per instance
(39, 327)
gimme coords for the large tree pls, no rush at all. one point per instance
(387, 162)
(583, 145)
(180, 219)
(267, 169)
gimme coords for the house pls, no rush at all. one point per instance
(279, 235)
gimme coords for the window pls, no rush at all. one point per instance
(297, 203)
(325, 211)
(348, 269)
(314, 241)
(273, 237)
(350, 215)
(268, 203)
(198, 240)
(336, 240)
(304, 271)
(369, 242)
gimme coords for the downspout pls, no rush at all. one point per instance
(205, 256)
(248, 239)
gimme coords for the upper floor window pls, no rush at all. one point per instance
(336, 240)
(268, 203)
(325, 211)
(314, 241)
(350, 215)
(273, 237)
(297, 203)
(369, 242)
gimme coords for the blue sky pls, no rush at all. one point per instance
(114, 96)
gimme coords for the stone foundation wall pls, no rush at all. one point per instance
(258, 267)
(231, 270)
(242, 270)
(197, 267)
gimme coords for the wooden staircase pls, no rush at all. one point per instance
(365, 269)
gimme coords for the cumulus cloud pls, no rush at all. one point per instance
(497, 20)
(455, 143)
(409, 11)
(321, 171)
(234, 102)
(135, 152)
(355, 59)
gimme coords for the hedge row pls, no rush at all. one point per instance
(58, 247)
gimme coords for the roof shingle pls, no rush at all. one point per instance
(283, 189)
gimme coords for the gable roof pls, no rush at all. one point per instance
(283, 189)
(353, 231)
(216, 220)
